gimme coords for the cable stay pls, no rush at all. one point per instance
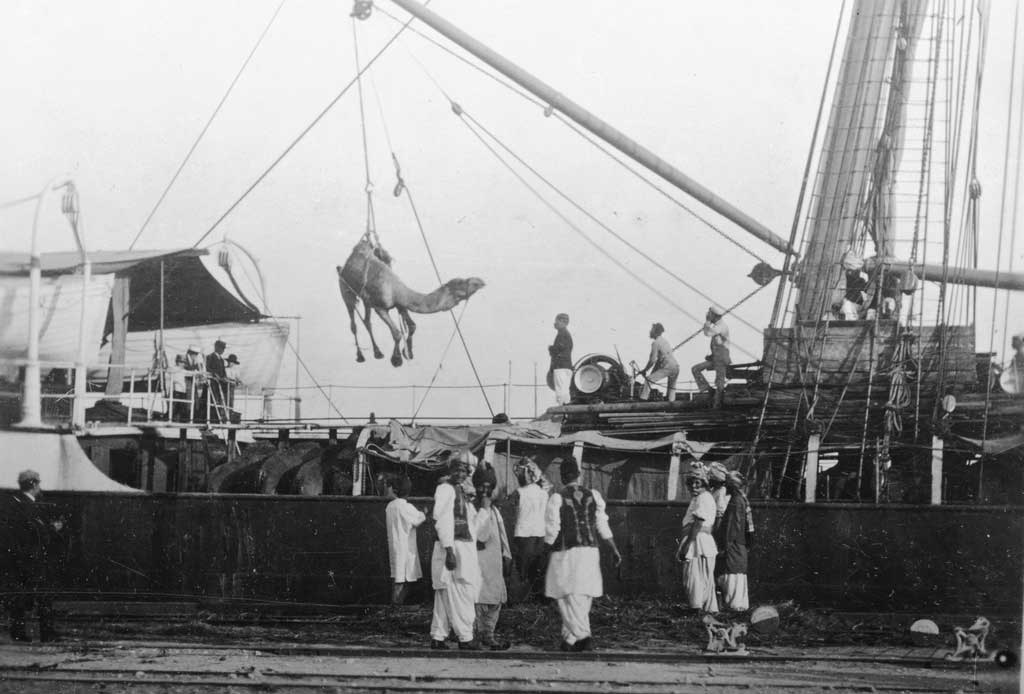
(209, 122)
(548, 111)
(476, 128)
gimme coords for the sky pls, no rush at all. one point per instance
(113, 94)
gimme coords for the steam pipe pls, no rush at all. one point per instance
(595, 125)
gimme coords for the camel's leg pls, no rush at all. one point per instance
(410, 328)
(350, 304)
(396, 334)
(377, 354)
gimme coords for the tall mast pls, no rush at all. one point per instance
(595, 125)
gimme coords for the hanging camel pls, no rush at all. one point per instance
(367, 276)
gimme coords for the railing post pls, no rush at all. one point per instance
(131, 393)
(937, 450)
(811, 469)
(678, 446)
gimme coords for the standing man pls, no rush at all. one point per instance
(455, 567)
(495, 559)
(574, 521)
(217, 369)
(561, 360)
(735, 534)
(402, 519)
(663, 363)
(30, 541)
(719, 359)
(528, 538)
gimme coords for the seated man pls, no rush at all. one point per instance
(719, 359)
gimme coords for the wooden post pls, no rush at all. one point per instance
(232, 445)
(184, 461)
(577, 453)
(673, 466)
(282, 438)
(359, 464)
(937, 446)
(811, 469)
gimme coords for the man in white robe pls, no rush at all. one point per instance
(455, 568)
(495, 560)
(574, 521)
(402, 519)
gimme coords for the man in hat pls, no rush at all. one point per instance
(495, 559)
(719, 359)
(455, 566)
(30, 538)
(663, 362)
(531, 501)
(232, 369)
(574, 521)
(216, 368)
(561, 360)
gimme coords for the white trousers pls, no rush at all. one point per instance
(734, 591)
(454, 608)
(699, 582)
(575, 611)
(562, 379)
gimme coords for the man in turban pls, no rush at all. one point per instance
(574, 521)
(495, 559)
(455, 567)
(697, 549)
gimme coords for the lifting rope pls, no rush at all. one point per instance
(361, 11)
(206, 127)
(305, 131)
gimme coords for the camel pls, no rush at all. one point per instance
(367, 276)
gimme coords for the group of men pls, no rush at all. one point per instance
(661, 363)
(556, 539)
(199, 383)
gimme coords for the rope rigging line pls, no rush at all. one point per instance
(451, 312)
(594, 219)
(1002, 215)
(209, 122)
(302, 134)
(288, 341)
(460, 112)
(586, 136)
(437, 371)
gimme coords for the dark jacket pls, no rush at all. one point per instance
(561, 351)
(29, 546)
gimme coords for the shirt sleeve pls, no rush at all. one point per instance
(444, 514)
(553, 518)
(412, 515)
(484, 525)
(601, 518)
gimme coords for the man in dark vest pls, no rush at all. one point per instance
(575, 521)
(216, 369)
(30, 538)
(454, 566)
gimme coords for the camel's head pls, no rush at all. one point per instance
(463, 288)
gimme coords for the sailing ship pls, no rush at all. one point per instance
(892, 403)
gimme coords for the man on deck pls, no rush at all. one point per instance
(719, 359)
(574, 521)
(663, 363)
(216, 367)
(561, 359)
(455, 567)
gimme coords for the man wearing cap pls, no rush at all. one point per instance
(455, 566)
(495, 559)
(574, 521)
(29, 537)
(561, 360)
(531, 500)
(232, 369)
(663, 363)
(719, 359)
(216, 368)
